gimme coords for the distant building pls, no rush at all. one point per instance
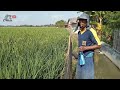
(66, 25)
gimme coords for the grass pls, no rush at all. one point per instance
(75, 52)
(32, 52)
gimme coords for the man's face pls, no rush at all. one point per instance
(83, 23)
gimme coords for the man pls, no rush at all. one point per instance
(87, 43)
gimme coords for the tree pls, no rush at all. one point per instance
(113, 19)
(60, 23)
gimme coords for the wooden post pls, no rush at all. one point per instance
(116, 40)
(68, 64)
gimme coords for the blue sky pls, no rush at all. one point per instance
(37, 17)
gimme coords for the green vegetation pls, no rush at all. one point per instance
(32, 52)
(60, 23)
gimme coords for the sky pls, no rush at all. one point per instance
(37, 17)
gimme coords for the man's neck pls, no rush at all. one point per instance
(82, 30)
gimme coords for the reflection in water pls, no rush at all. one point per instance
(104, 68)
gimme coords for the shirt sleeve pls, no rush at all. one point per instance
(94, 38)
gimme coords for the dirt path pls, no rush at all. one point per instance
(104, 68)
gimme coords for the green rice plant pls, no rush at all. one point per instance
(32, 52)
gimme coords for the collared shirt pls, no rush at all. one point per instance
(88, 38)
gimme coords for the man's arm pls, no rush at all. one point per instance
(84, 48)
(95, 40)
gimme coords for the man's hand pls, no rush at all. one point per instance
(82, 48)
